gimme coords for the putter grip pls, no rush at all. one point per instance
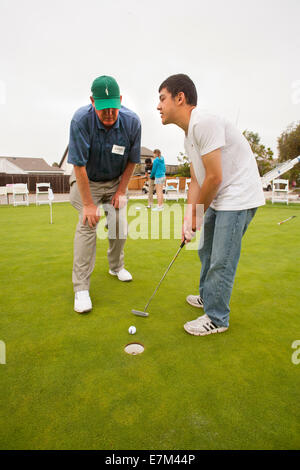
(182, 244)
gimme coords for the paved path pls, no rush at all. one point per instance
(137, 195)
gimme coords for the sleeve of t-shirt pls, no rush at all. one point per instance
(209, 134)
(79, 145)
(135, 148)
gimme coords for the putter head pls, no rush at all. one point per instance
(139, 313)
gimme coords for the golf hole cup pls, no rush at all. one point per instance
(132, 330)
(134, 349)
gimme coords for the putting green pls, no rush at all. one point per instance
(68, 383)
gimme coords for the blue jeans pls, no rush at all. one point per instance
(219, 252)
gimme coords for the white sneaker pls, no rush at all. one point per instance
(123, 275)
(82, 302)
(195, 301)
(158, 208)
(203, 326)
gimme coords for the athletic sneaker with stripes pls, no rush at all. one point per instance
(203, 326)
(195, 301)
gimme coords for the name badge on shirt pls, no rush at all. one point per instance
(118, 149)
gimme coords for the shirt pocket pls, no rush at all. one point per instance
(117, 152)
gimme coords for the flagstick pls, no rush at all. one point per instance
(282, 222)
(50, 199)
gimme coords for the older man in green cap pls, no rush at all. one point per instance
(104, 147)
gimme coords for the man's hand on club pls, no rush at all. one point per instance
(91, 214)
(193, 220)
(188, 232)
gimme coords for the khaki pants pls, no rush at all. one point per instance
(86, 237)
(150, 194)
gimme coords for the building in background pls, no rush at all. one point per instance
(139, 169)
(27, 166)
(30, 171)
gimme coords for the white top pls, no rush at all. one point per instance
(241, 186)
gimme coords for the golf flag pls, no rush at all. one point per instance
(50, 195)
(50, 199)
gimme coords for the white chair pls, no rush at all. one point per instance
(41, 193)
(20, 190)
(3, 192)
(186, 188)
(280, 190)
(9, 189)
(172, 186)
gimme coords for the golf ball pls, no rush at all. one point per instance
(132, 330)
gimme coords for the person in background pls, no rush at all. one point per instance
(150, 181)
(159, 173)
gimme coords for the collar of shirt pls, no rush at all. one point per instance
(189, 134)
(101, 126)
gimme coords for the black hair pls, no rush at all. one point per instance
(148, 160)
(181, 82)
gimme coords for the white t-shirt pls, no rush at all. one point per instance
(241, 186)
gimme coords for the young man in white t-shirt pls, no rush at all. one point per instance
(225, 180)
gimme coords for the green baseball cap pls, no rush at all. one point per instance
(106, 93)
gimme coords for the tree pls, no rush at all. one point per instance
(289, 148)
(184, 165)
(55, 164)
(263, 155)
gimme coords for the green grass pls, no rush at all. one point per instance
(67, 382)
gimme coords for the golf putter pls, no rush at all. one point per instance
(144, 313)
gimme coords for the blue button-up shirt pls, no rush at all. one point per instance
(104, 152)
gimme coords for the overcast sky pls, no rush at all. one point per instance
(242, 55)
